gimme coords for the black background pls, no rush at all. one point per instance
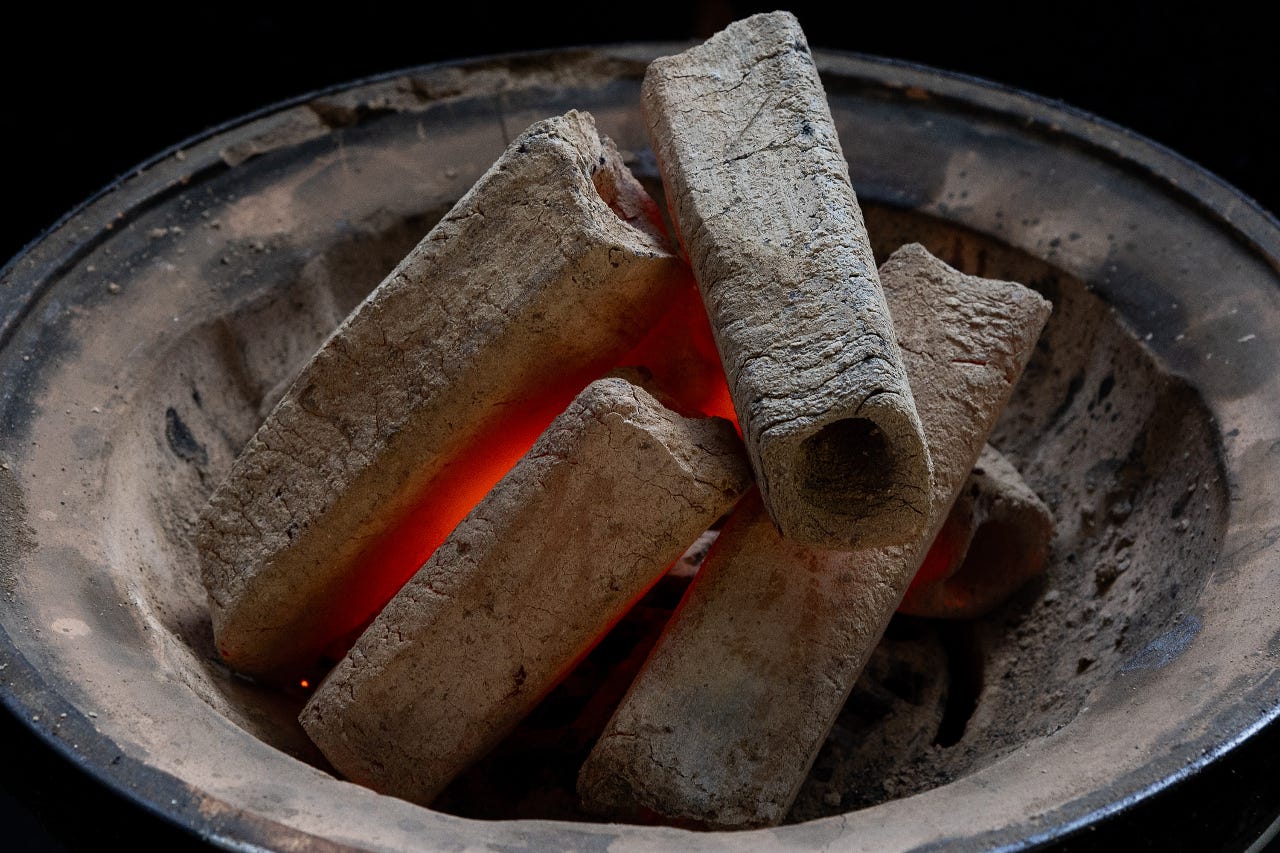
(87, 95)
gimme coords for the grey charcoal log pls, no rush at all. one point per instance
(610, 496)
(721, 726)
(547, 271)
(759, 188)
(994, 541)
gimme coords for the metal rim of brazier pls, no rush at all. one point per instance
(1243, 250)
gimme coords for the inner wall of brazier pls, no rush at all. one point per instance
(1122, 452)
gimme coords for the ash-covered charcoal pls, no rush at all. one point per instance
(610, 496)
(759, 188)
(726, 717)
(995, 539)
(547, 271)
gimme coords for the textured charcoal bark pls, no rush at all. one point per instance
(759, 187)
(995, 540)
(609, 497)
(549, 269)
(728, 713)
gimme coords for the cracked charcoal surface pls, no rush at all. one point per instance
(553, 251)
(725, 719)
(759, 188)
(1168, 541)
(610, 496)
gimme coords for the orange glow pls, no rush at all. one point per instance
(680, 353)
(942, 561)
(304, 684)
(395, 557)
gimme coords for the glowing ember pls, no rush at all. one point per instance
(494, 310)
(393, 558)
(524, 587)
(681, 355)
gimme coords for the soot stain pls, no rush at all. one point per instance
(1167, 647)
(181, 441)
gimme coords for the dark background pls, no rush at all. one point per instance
(87, 95)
